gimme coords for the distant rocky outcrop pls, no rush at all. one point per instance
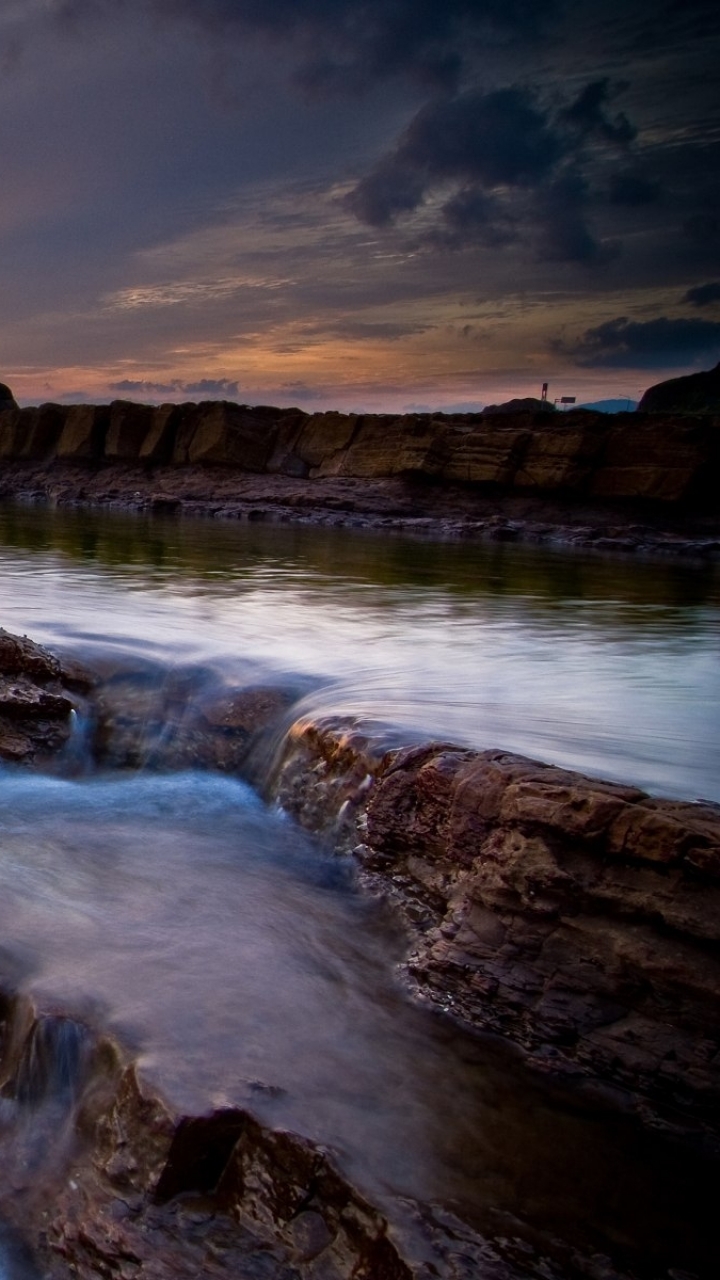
(696, 393)
(7, 399)
(526, 404)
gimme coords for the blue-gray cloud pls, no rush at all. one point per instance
(645, 344)
(206, 388)
(345, 45)
(703, 295)
(629, 187)
(497, 147)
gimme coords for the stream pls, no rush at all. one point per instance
(233, 955)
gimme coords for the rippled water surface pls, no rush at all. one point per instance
(607, 666)
(233, 954)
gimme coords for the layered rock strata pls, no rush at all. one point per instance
(579, 919)
(581, 454)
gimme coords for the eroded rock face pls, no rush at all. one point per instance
(38, 694)
(578, 918)
(630, 457)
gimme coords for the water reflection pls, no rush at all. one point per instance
(611, 667)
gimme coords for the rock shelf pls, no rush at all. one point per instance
(620, 482)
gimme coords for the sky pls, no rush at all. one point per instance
(386, 205)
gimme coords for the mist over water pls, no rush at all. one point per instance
(234, 956)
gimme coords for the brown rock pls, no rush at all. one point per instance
(128, 429)
(84, 431)
(489, 454)
(556, 910)
(324, 437)
(382, 445)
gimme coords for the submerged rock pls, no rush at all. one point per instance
(181, 719)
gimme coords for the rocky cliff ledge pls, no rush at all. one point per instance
(578, 918)
(224, 458)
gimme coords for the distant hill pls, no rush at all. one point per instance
(695, 393)
(621, 404)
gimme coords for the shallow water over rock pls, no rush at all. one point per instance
(610, 667)
(232, 953)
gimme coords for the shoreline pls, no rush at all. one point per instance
(411, 505)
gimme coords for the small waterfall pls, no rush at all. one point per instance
(53, 1062)
(76, 757)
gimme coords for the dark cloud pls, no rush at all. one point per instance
(500, 149)
(564, 232)
(473, 215)
(702, 227)
(629, 187)
(703, 295)
(589, 113)
(647, 344)
(349, 44)
(208, 388)
(503, 137)
(212, 387)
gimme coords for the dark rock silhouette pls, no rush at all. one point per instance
(7, 399)
(695, 393)
(527, 404)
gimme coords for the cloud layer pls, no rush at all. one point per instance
(326, 197)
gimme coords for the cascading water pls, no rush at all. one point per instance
(231, 953)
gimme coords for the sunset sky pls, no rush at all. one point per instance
(363, 204)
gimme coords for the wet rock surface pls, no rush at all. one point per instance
(182, 719)
(38, 695)
(105, 1179)
(577, 918)
(625, 482)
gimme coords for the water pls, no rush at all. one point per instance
(233, 955)
(611, 667)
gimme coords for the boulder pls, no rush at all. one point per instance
(222, 433)
(562, 454)
(524, 404)
(382, 445)
(490, 453)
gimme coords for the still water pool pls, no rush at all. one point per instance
(603, 665)
(234, 956)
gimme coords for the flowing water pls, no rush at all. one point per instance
(232, 953)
